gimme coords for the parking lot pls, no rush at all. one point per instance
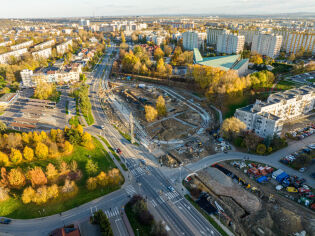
(305, 78)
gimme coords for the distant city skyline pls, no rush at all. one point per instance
(81, 8)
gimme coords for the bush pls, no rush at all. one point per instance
(91, 168)
(101, 219)
(261, 148)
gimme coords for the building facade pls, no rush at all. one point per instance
(267, 118)
(212, 35)
(22, 45)
(5, 57)
(230, 43)
(62, 48)
(44, 45)
(193, 39)
(267, 44)
(45, 53)
(297, 41)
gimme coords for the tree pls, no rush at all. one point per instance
(4, 159)
(91, 167)
(261, 148)
(158, 229)
(68, 147)
(41, 151)
(51, 172)
(25, 138)
(160, 106)
(158, 54)
(231, 127)
(167, 50)
(257, 59)
(37, 176)
(52, 191)
(16, 178)
(28, 153)
(291, 57)
(251, 141)
(102, 179)
(28, 195)
(160, 67)
(4, 193)
(3, 127)
(64, 168)
(123, 39)
(86, 139)
(91, 183)
(150, 113)
(15, 156)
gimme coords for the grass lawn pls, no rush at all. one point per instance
(144, 230)
(14, 208)
(74, 120)
(233, 103)
(212, 221)
(114, 153)
(285, 85)
(89, 118)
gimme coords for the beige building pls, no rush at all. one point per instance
(298, 40)
(22, 45)
(44, 45)
(63, 47)
(45, 53)
(5, 57)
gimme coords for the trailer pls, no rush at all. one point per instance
(276, 173)
(280, 178)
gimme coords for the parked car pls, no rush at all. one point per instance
(118, 151)
(171, 188)
(303, 169)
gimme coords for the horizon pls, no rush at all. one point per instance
(97, 8)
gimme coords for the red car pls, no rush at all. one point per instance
(118, 151)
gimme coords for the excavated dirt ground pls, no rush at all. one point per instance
(263, 212)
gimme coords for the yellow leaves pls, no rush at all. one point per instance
(16, 178)
(160, 106)
(15, 156)
(4, 159)
(150, 113)
(41, 151)
(68, 148)
(232, 127)
(28, 153)
(28, 195)
(91, 183)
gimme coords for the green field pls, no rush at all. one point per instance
(14, 208)
(285, 85)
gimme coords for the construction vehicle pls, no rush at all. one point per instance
(291, 190)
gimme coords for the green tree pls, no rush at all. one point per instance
(91, 167)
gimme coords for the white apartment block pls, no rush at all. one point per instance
(285, 37)
(67, 31)
(193, 39)
(62, 48)
(212, 35)
(230, 43)
(84, 22)
(44, 45)
(22, 45)
(5, 57)
(157, 40)
(45, 53)
(267, 118)
(298, 40)
(249, 34)
(6, 43)
(267, 44)
(31, 79)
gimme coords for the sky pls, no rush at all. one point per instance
(77, 8)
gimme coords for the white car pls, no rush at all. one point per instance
(303, 169)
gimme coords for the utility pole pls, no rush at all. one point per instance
(131, 128)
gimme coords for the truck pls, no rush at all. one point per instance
(282, 177)
(276, 173)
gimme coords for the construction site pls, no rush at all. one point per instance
(248, 206)
(180, 136)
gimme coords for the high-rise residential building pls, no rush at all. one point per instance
(298, 40)
(267, 44)
(22, 45)
(193, 39)
(249, 34)
(6, 57)
(84, 22)
(230, 43)
(212, 35)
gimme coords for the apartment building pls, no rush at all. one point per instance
(267, 118)
(51, 75)
(267, 44)
(44, 45)
(84, 22)
(22, 45)
(193, 39)
(212, 35)
(157, 40)
(5, 43)
(298, 40)
(230, 43)
(63, 47)
(249, 34)
(45, 53)
(5, 57)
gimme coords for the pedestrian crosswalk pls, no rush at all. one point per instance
(137, 171)
(130, 190)
(171, 195)
(160, 200)
(112, 212)
(154, 204)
